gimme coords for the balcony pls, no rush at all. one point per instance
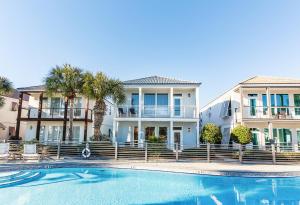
(276, 113)
(129, 111)
(56, 113)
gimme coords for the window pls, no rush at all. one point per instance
(298, 136)
(162, 99)
(255, 133)
(134, 99)
(265, 104)
(282, 101)
(14, 106)
(177, 128)
(163, 133)
(56, 105)
(54, 133)
(226, 109)
(150, 131)
(149, 99)
(297, 104)
(77, 106)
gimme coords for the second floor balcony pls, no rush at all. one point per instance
(56, 113)
(276, 112)
(156, 111)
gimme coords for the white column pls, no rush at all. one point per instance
(198, 133)
(242, 104)
(140, 102)
(140, 131)
(197, 94)
(129, 134)
(294, 136)
(156, 131)
(269, 102)
(172, 102)
(270, 127)
(114, 131)
(171, 143)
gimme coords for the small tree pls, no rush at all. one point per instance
(241, 134)
(211, 133)
(5, 88)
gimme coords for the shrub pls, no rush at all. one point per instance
(211, 133)
(241, 134)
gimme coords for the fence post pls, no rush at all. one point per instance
(176, 148)
(273, 154)
(241, 153)
(116, 150)
(58, 149)
(146, 152)
(208, 152)
(296, 148)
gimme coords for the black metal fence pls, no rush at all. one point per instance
(270, 154)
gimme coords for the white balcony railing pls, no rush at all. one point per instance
(259, 112)
(156, 111)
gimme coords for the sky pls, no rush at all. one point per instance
(218, 43)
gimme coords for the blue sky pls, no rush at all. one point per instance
(218, 43)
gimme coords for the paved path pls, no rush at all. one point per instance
(232, 169)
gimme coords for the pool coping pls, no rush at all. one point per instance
(103, 164)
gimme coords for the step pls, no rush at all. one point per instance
(20, 179)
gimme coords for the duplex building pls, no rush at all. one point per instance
(269, 106)
(47, 117)
(160, 107)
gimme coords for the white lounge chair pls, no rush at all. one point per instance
(4, 151)
(30, 152)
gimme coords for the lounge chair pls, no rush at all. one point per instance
(30, 152)
(4, 151)
(121, 112)
(132, 111)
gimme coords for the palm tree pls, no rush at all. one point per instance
(5, 88)
(99, 88)
(66, 80)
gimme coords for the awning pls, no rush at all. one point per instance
(2, 126)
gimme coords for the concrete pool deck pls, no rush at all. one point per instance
(224, 169)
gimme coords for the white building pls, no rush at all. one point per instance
(48, 117)
(8, 116)
(270, 106)
(160, 107)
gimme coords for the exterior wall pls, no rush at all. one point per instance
(8, 118)
(211, 112)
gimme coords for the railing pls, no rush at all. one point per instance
(156, 111)
(288, 112)
(56, 113)
(270, 154)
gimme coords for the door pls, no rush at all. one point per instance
(177, 138)
(252, 103)
(177, 107)
(136, 134)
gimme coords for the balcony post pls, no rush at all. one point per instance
(242, 103)
(270, 128)
(38, 126)
(172, 102)
(19, 115)
(140, 142)
(86, 119)
(208, 152)
(269, 102)
(65, 119)
(197, 110)
(171, 142)
(273, 154)
(198, 132)
(140, 102)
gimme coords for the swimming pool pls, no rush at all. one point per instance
(70, 186)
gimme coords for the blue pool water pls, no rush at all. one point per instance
(88, 186)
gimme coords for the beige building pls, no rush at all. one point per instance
(8, 116)
(270, 106)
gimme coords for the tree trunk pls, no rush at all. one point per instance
(71, 119)
(99, 112)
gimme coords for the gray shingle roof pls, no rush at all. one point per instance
(152, 80)
(32, 88)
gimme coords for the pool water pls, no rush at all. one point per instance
(89, 186)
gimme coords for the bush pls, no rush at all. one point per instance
(211, 133)
(241, 134)
(154, 139)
